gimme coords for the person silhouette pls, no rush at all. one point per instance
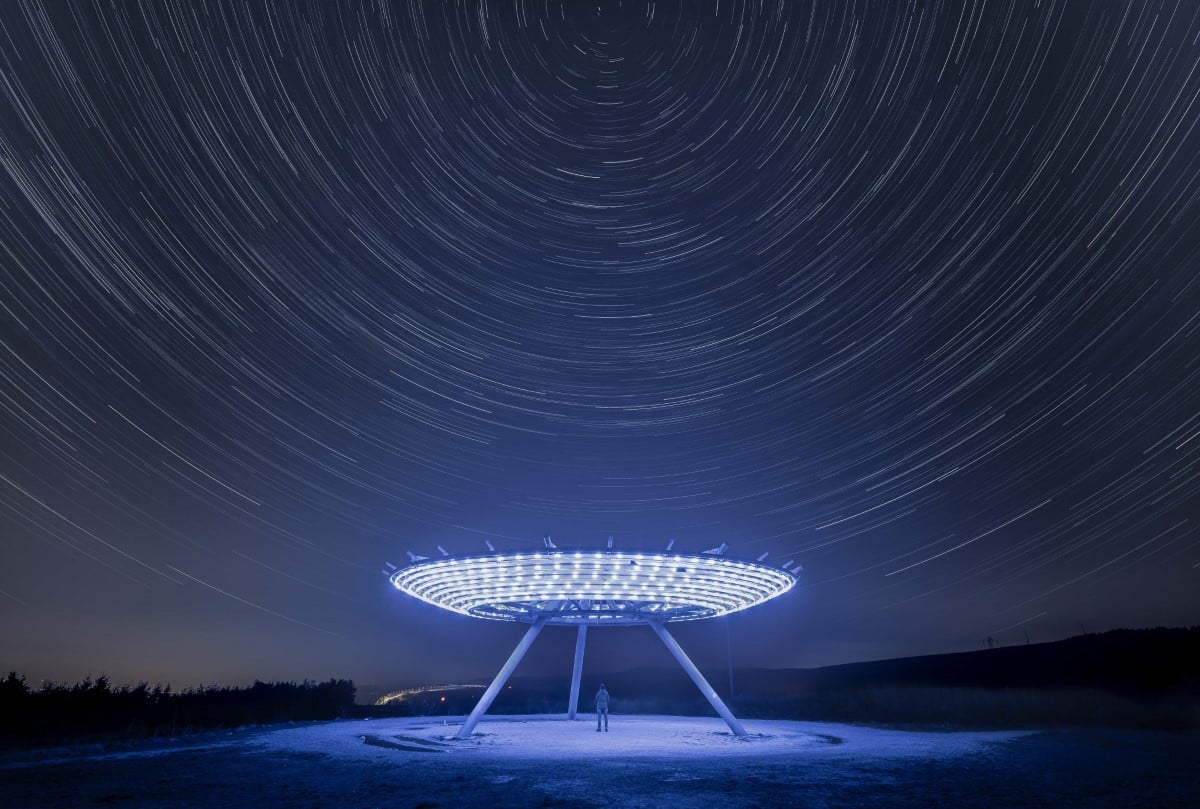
(602, 707)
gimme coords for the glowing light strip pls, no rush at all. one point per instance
(573, 587)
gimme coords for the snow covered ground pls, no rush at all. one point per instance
(552, 739)
(643, 761)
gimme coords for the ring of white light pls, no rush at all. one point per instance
(607, 588)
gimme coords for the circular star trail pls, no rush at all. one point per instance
(906, 292)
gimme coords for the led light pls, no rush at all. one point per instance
(622, 588)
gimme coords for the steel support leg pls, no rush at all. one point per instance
(698, 679)
(485, 701)
(577, 671)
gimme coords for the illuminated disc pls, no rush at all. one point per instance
(592, 587)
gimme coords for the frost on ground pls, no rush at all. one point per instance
(553, 739)
(643, 761)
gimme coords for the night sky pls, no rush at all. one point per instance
(907, 292)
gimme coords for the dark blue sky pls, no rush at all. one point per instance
(907, 292)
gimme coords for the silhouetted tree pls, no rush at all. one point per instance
(93, 708)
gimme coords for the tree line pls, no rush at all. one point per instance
(95, 709)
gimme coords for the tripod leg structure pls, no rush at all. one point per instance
(485, 701)
(707, 690)
(577, 671)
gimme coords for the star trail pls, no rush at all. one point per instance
(906, 292)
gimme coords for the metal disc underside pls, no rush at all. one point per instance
(591, 587)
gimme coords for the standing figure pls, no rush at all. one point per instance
(602, 707)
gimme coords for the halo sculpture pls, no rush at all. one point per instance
(585, 588)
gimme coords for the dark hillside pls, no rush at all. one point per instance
(1127, 678)
(1130, 662)
(1134, 662)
